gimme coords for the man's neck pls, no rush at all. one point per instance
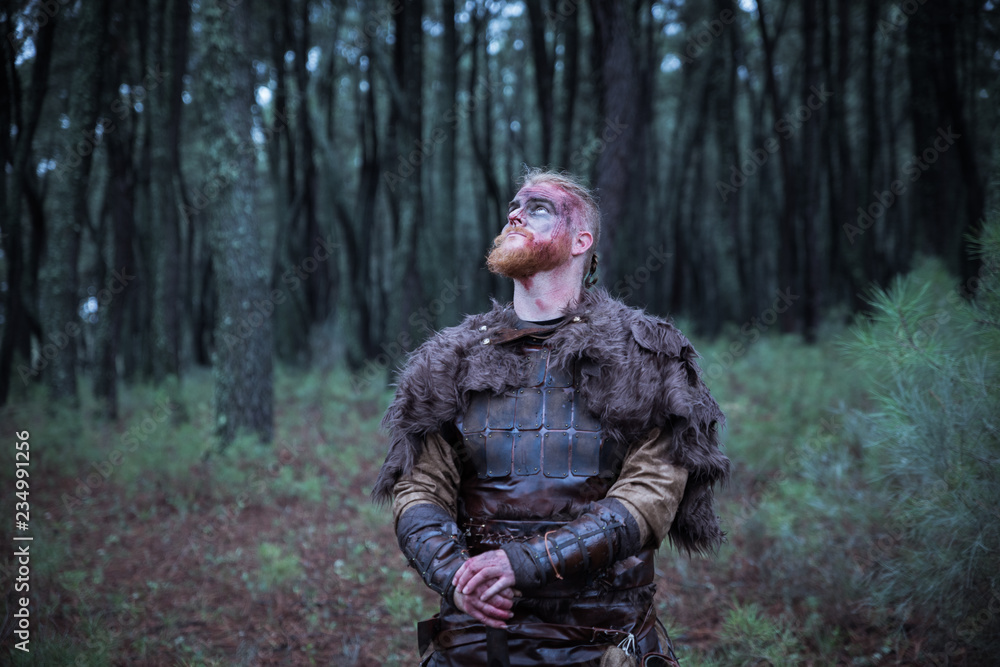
(546, 295)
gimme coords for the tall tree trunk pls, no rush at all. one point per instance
(317, 286)
(243, 339)
(407, 192)
(619, 87)
(121, 195)
(451, 230)
(544, 71)
(169, 46)
(23, 111)
(787, 250)
(729, 150)
(59, 300)
(490, 206)
(571, 84)
(811, 174)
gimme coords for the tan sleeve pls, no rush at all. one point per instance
(434, 479)
(650, 487)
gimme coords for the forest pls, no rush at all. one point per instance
(225, 224)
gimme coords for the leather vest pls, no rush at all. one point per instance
(533, 453)
(532, 459)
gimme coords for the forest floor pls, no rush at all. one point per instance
(274, 555)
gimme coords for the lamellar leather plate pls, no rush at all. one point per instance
(535, 452)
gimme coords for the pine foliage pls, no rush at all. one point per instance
(933, 447)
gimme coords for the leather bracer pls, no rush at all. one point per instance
(603, 535)
(434, 546)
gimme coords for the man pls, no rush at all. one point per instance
(541, 452)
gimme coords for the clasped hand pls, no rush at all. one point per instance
(484, 588)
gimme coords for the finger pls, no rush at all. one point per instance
(491, 620)
(505, 594)
(500, 602)
(481, 578)
(492, 611)
(500, 584)
(465, 572)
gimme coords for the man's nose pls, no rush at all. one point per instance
(515, 217)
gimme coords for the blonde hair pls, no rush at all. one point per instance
(587, 216)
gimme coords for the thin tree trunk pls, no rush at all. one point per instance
(23, 111)
(811, 160)
(571, 84)
(787, 251)
(544, 71)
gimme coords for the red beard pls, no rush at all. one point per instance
(530, 257)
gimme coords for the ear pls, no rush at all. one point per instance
(582, 243)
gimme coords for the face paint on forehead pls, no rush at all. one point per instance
(565, 204)
(562, 199)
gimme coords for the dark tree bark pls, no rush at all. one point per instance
(729, 150)
(121, 193)
(447, 197)
(490, 207)
(243, 351)
(317, 286)
(59, 300)
(23, 109)
(406, 192)
(571, 84)
(619, 87)
(810, 177)
(788, 249)
(169, 53)
(544, 75)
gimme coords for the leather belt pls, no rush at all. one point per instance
(571, 634)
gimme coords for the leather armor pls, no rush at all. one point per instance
(535, 452)
(535, 469)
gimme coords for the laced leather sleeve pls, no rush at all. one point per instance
(424, 505)
(433, 545)
(602, 535)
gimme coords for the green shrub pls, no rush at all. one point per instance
(934, 440)
(276, 569)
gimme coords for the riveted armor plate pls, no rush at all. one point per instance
(544, 427)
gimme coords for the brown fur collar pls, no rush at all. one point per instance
(639, 373)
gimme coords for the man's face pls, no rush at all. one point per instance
(538, 234)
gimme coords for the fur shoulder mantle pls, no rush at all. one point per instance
(639, 373)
